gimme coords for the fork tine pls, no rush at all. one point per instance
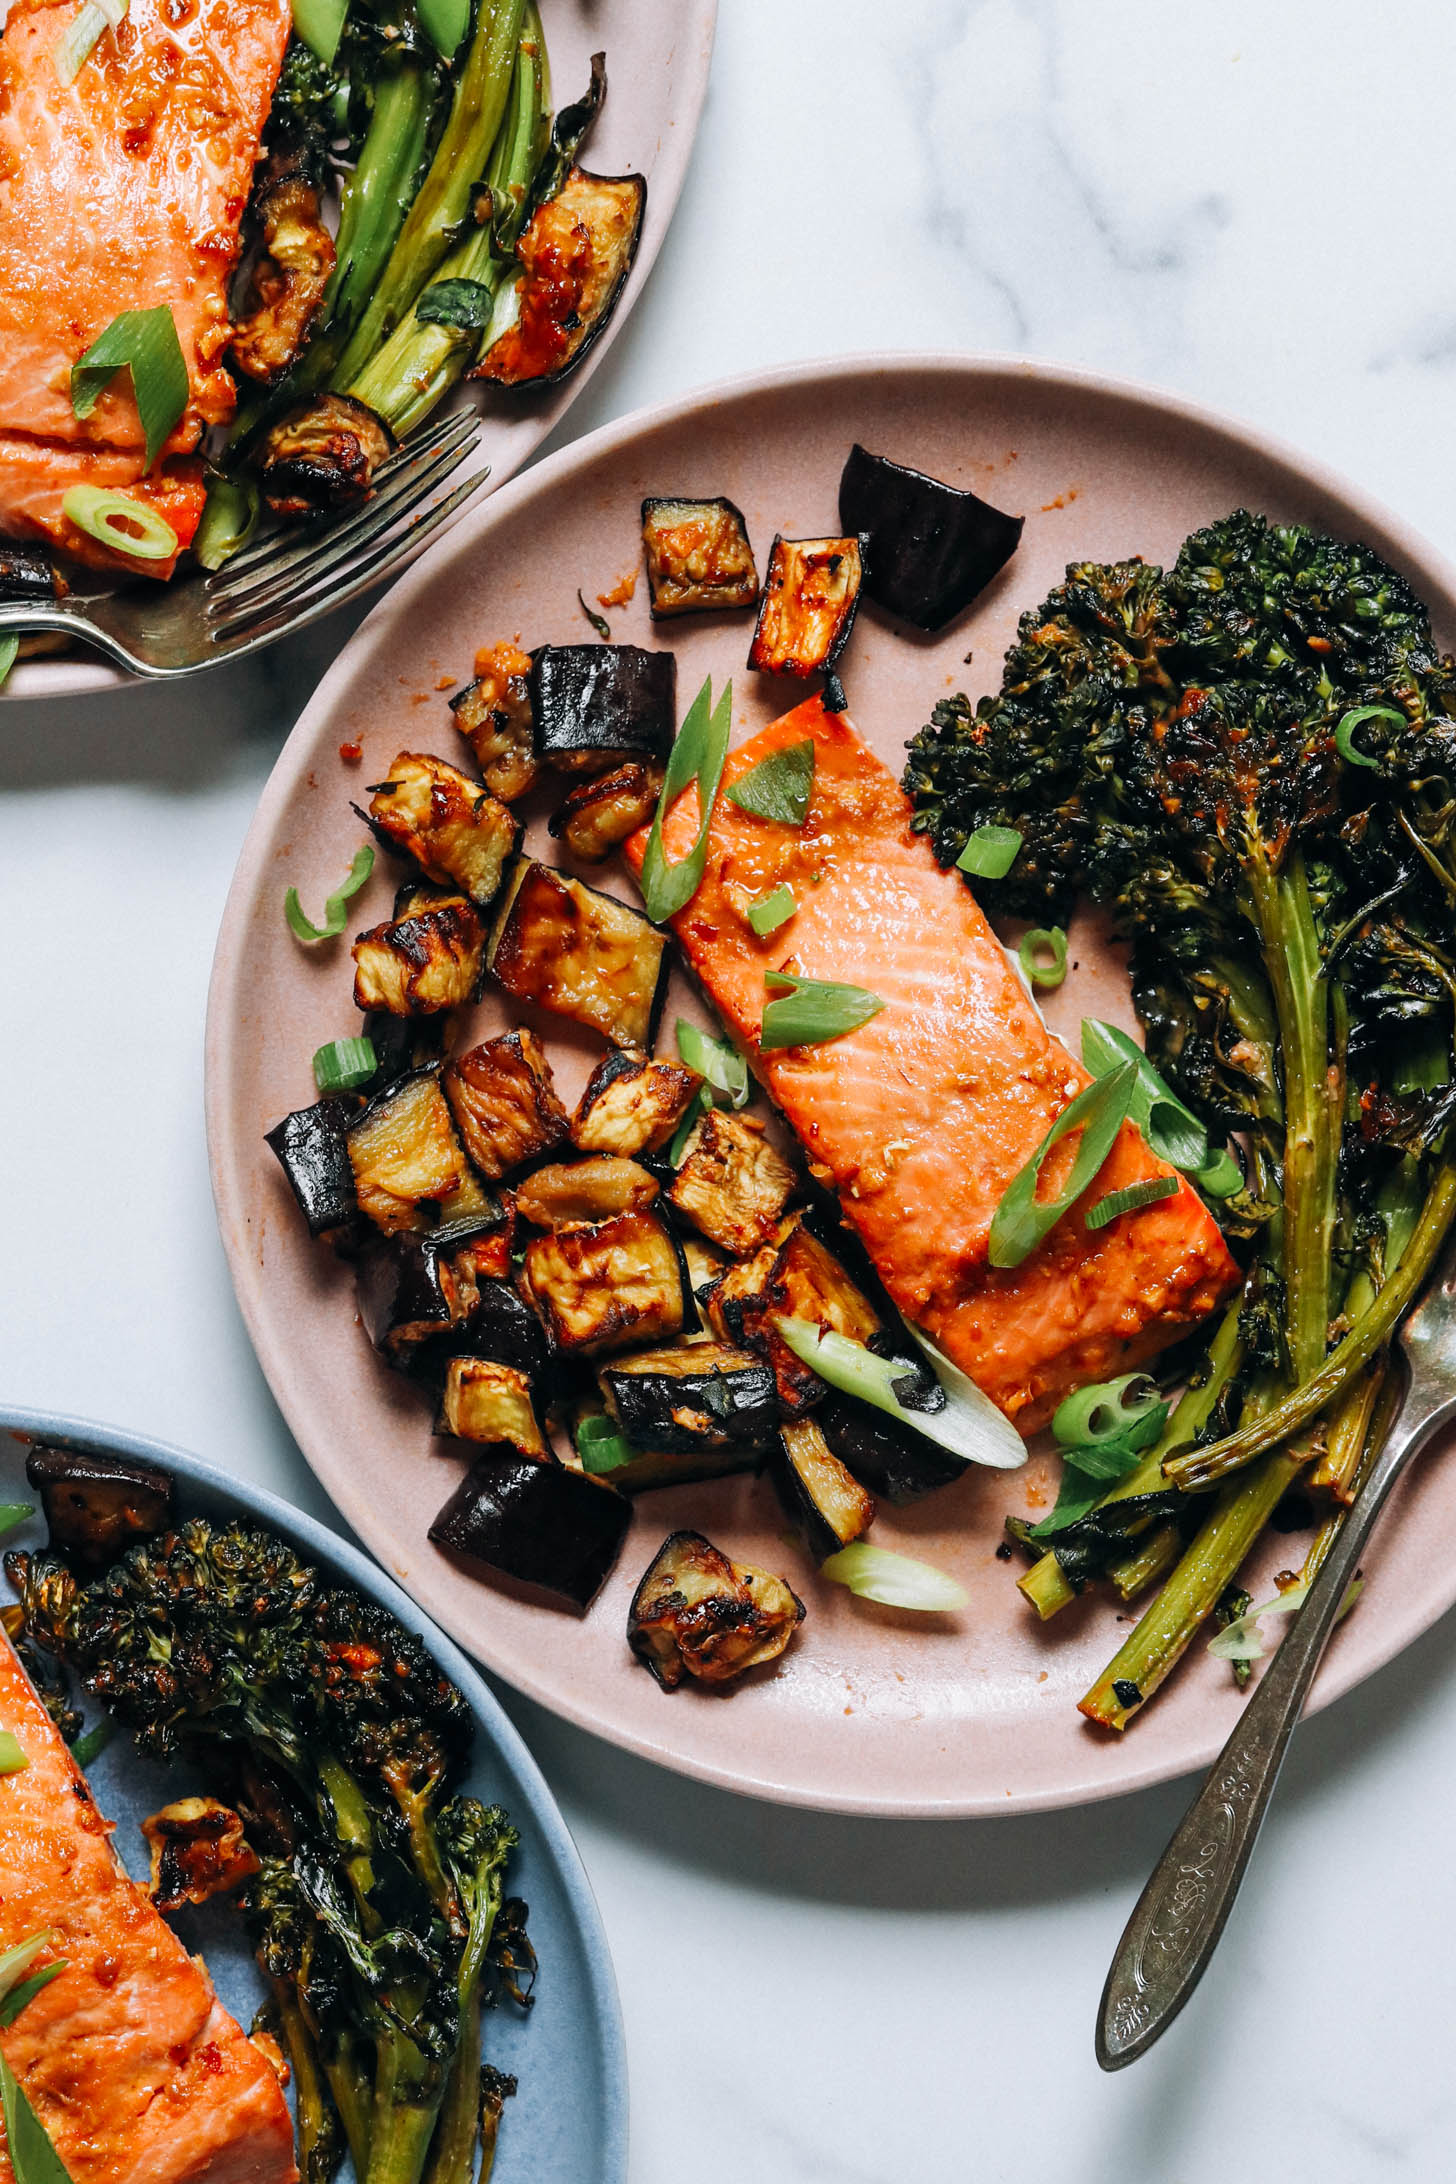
(272, 587)
(364, 572)
(284, 547)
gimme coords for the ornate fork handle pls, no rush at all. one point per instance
(1182, 1912)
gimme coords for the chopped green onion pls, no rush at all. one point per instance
(1021, 1220)
(778, 787)
(334, 908)
(990, 852)
(1043, 941)
(1129, 1199)
(700, 1104)
(320, 24)
(598, 622)
(73, 48)
(13, 1514)
(92, 1742)
(127, 526)
(1350, 751)
(16, 1962)
(12, 1757)
(967, 1423)
(9, 650)
(1172, 1132)
(344, 1065)
(772, 910)
(1105, 1410)
(600, 1445)
(145, 344)
(33, 2158)
(228, 519)
(896, 1581)
(812, 1010)
(697, 755)
(1174, 1135)
(715, 1060)
(1220, 1176)
(445, 22)
(1240, 1640)
(28, 1989)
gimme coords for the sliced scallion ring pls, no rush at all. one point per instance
(334, 908)
(127, 526)
(1104, 1410)
(772, 910)
(228, 520)
(12, 1755)
(1130, 1199)
(967, 1423)
(896, 1581)
(344, 1065)
(1345, 743)
(990, 852)
(1043, 956)
(73, 48)
(720, 1064)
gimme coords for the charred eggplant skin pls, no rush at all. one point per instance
(697, 1613)
(632, 1104)
(898, 1466)
(312, 1147)
(413, 1287)
(575, 255)
(595, 706)
(699, 557)
(582, 954)
(26, 574)
(501, 1328)
(504, 1102)
(692, 1396)
(322, 457)
(97, 1506)
(494, 715)
(598, 815)
(932, 547)
(810, 598)
(423, 964)
(493, 1406)
(603, 1287)
(540, 1523)
(819, 1493)
(457, 833)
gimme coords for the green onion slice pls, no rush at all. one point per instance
(598, 622)
(1351, 753)
(1173, 1133)
(12, 1756)
(127, 526)
(600, 1444)
(778, 787)
(228, 519)
(1220, 1176)
(1129, 1199)
(320, 24)
(334, 910)
(697, 755)
(968, 1423)
(1105, 1410)
(700, 1104)
(772, 910)
(16, 1962)
(145, 344)
(13, 1514)
(990, 852)
(715, 1060)
(33, 2158)
(1022, 1219)
(445, 23)
(9, 649)
(92, 1742)
(812, 1010)
(1043, 941)
(344, 1065)
(897, 1581)
(73, 48)
(15, 2001)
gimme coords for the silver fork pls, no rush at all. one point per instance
(1183, 1910)
(287, 579)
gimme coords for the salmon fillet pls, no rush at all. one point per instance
(921, 1117)
(118, 192)
(132, 2064)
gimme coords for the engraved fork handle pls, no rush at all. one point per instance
(1182, 1912)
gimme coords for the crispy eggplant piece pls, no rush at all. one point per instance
(932, 546)
(697, 1613)
(97, 1506)
(796, 1277)
(632, 1104)
(413, 1287)
(27, 575)
(322, 457)
(646, 1469)
(901, 1467)
(581, 954)
(598, 816)
(819, 1493)
(493, 1405)
(577, 1193)
(455, 830)
(706, 1264)
(731, 1183)
(501, 1328)
(402, 1043)
(575, 255)
(619, 1282)
(421, 964)
(698, 557)
(594, 707)
(312, 1148)
(504, 1102)
(494, 715)
(543, 1523)
(810, 596)
(198, 1849)
(691, 1395)
(407, 1159)
(288, 280)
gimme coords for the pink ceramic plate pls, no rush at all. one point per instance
(871, 1710)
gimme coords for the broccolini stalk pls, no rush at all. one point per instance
(1154, 1557)
(320, 2147)
(376, 196)
(477, 1842)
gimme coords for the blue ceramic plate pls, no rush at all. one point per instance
(569, 2118)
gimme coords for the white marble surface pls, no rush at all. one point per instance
(1249, 203)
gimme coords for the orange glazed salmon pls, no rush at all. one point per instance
(921, 1117)
(118, 192)
(132, 2064)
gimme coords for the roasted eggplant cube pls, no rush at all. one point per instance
(697, 1613)
(97, 1506)
(455, 830)
(818, 1492)
(312, 1147)
(899, 1466)
(198, 1850)
(542, 1523)
(503, 1329)
(413, 1287)
(492, 1404)
(494, 715)
(808, 607)
(407, 1160)
(602, 1288)
(505, 1103)
(932, 546)
(598, 816)
(643, 1470)
(581, 954)
(698, 557)
(26, 575)
(796, 1277)
(422, 964)
(596, 706)
(690, 1396)
(574, 255)
(732, 1184)
(632, 1104)
(579, 1193)
(402, 1044)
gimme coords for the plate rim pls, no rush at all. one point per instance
(501, 1732)
(1379, 523)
